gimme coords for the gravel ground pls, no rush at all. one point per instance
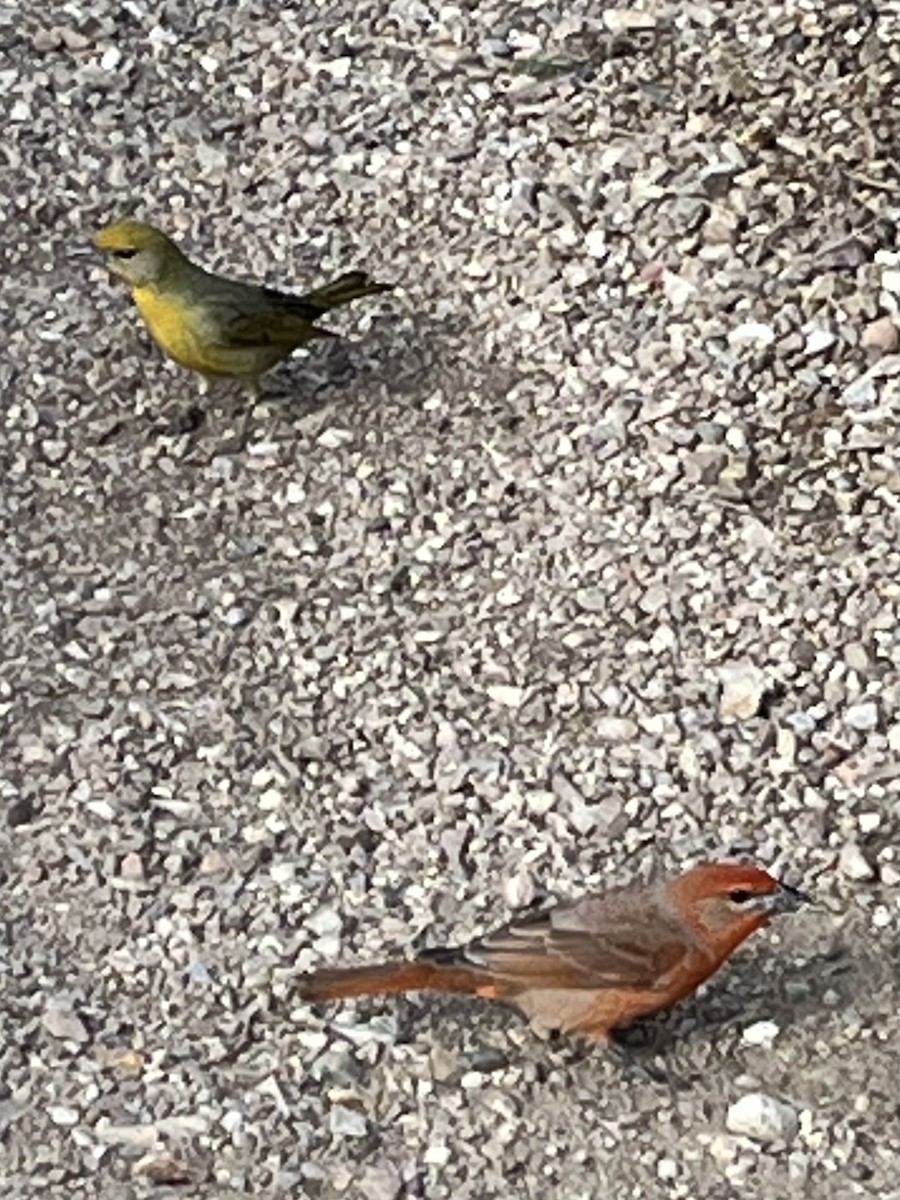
(578, 559)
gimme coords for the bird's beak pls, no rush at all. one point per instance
(787, 899)
(80, 252)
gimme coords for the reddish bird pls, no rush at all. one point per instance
(590, 967)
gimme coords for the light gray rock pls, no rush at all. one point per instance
(743, 687)
(763, 1118)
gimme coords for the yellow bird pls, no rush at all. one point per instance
(213, 325)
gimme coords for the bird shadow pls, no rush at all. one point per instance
(380, 381)
(406, 359)
(750, 991)
(747, 995)
(383, 382)
(844, 972)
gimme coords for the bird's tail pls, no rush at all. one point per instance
(342, 290)
(391, 979)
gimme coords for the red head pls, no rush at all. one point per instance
(724, 902)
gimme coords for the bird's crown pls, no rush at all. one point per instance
(129, 235)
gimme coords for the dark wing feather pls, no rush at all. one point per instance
(234, 329)
(243, 315)
(304, 307)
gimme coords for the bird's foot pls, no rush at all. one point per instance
(188, 420)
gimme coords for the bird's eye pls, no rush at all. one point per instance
(124, 253)
(740, 896)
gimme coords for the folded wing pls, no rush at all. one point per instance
(608, 943)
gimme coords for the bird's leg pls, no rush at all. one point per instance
(243, 412)
(625, 1058)
(626, 1055)
(254, 394)
(188, 420)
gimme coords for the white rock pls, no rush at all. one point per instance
(182, 1126)
(583, 817)
(60, 1114)
(861, 393)
(324, 921)
(509, 595)
(654, 598)
(518, 889)
(743, 687)
(801, 722)
(882, 917)
(855, 656)
(724, 1148)
(852, 863)
(751, 331)
(338, 68)
(818, 340)
(540, 802)
(282, 872)
(881, 335)
(437, 1156)
(621, 20)
(142, 1136)
(760, 1033)
(592, 600)
(615, 729)
(347, 1122)
(615, 376)
(763, 1118)
(863, 717)
(667, 1169)
(663, 639)
(271, 799)
(132, 867)
(507, 695)
(595, 243)
(522, 40)
(677, 290)
(333, 437)
(380, 1181)
(61, 1022)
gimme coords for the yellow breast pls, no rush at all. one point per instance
(170, 323)
(183, 332)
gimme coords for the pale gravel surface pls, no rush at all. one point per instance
(578, 560)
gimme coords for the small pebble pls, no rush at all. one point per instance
(615, 729)
(882, 336)
(818, 341)
(743, 687)
(760, 1033)
(61, 1022)
(506, 695)
(60, 1114)
(347, 1122)
(853, 864)
(751, 331)
(863, 717)
(762, 1118)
